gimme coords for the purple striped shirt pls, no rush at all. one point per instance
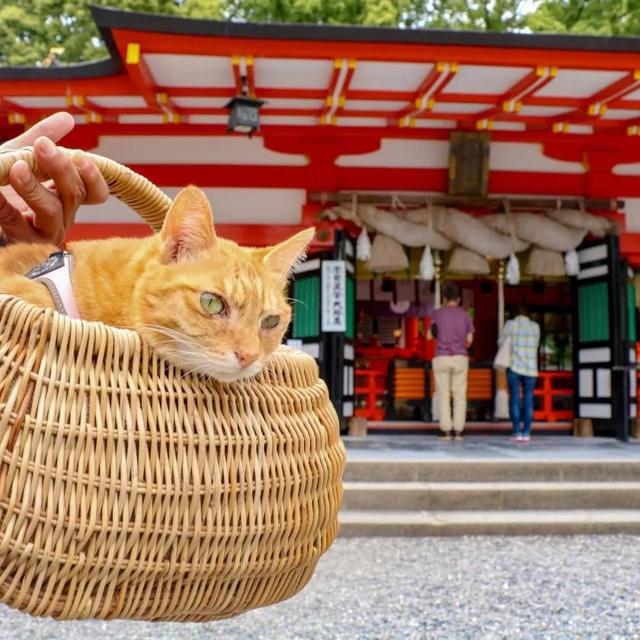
(454, 325)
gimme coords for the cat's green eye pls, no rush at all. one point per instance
(212, 303)
(270, 322)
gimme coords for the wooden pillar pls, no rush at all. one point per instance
(411, 337)
(437, 281)
(501, 400)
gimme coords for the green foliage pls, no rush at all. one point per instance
(371, 12)
(30, 28)
(601, 17)
(21, 35)
(476, 15)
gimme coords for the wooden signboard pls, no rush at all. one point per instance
(468, 163)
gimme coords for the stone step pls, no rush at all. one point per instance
(458, 523)
(491, 470)
(479, 496)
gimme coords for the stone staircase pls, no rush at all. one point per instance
(490, 497)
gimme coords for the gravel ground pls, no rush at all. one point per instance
(449, 588)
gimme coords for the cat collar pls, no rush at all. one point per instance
(55, 274)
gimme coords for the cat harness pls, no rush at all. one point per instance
(55, 274)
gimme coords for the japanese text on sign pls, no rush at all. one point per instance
(334, 295)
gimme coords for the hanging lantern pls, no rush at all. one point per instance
(512, 275)
(244, 114)
(363, 246)
(427, 265)
(572, 263)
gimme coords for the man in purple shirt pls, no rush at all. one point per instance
(452, 328)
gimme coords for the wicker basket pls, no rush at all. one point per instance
(131, 490)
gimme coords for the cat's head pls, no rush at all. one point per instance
(209, 305)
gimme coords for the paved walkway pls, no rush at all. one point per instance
(494, 447)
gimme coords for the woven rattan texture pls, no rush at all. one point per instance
(129, 489)
(149, 202)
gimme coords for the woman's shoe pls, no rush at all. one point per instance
(525, 439)
(516, 438)
(458, 437)
(445, 435)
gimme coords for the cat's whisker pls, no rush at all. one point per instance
(186, 360)
(191, 361)
(302, 302)
(189, 346)
(197, 370)
(178, 336)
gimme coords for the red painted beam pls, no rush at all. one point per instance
(257, 235)
(224, 92)
(345, 88)
(553, 101)
(139, 72)
(441, 90)
(342, 135)
(330, 90)
(518, 91)
(618, 89)
(185, 44)
(253, 235)
(369, 94)
(204, 175)
(264, 235)
(141, 75)
(630, 248)
(609, 185)
(625, 104)
(379, 179)
(431, 78)
(97, 231)
(99, 86)
(6, 104)
(592, 108)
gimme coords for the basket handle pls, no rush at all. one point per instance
(149, 202)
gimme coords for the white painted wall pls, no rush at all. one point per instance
(193, 150)
(230, 206)
(527, 157)
(413, 154)
(629, 169)
(632, 214)
(434, 154)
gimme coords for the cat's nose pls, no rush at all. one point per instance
(247, 357)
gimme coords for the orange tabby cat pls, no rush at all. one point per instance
(205, 303)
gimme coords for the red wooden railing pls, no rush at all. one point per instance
(550, 386)
(370, 390)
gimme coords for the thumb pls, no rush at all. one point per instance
(54, 127)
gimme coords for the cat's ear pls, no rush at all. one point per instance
(283, 257)
(188, 228)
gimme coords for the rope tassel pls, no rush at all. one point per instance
(363, 246)
(572, 263)
(513, 270)
(427, 265)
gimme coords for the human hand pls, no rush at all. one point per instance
(35, 212)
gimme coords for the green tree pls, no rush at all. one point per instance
(476, 15)
(29, 29)
(601, 17)
(369, 12)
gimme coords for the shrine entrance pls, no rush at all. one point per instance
(394, 380)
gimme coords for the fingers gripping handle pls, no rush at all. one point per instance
(149, 202)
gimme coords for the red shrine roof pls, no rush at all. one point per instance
(165, 70)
